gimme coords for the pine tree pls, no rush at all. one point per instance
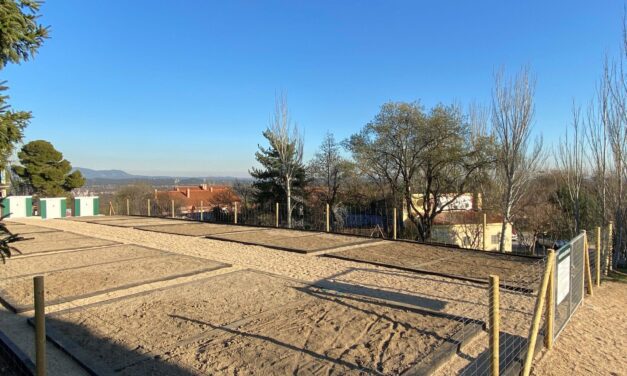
(44, 168)
(282, 177)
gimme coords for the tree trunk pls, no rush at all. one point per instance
(289, 203)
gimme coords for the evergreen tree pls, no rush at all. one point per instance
(282, 177)
(20, 38)
(44, 168)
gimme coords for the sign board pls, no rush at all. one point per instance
(563, 273)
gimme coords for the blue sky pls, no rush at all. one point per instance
(186, 87)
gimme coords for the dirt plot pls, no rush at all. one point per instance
(98, 218)
(248, 322)
(197, 229)
(28, 229)
(49, 236)
(71, 284)
(513, 270)
(290, 240)
(46, 263)
(133, 222)
(72, 242)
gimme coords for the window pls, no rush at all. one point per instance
(496, 238)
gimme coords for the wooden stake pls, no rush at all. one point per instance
(235, 217)
(394, 224)
(149, 207)
(40, 326)
(172, 208)
(495, 324)
(609, 245)
(550, 307)
(586, 263)
(485, 231)
(597, 256)
(201, 211)
(537, 315)
(328, 219)
(128, 207)
(277, 215)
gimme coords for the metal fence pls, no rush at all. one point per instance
(569, 281)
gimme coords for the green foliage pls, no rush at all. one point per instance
(6, 238)
(269, 184)
(20, 34)
(12, 124)
(421, 154)
(44, 168)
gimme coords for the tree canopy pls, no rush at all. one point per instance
(428, 158)
(20, 38)
(46, 171)
(269, 183)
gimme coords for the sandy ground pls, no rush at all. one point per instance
(71, 283)
(196, 229)
(44, 263)
(595, 340)
(512, 270)
(441, 294)
(196, 327)
(301, 241)
(73, 242)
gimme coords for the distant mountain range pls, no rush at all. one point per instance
(88, 173)
(119, 176)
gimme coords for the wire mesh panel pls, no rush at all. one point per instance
(569, 281)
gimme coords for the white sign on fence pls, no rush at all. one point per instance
(563, 279)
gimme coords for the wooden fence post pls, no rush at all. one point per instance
(328, 219)
(484, 230)
(110, 208)
(550, 307)
(172, 208)
(276, 219)
(40, 326)
(235, 217)
(128, 207)
(597, 257)
(537, 315)
(201, 211)
(609, 246)
(586, 261)
(495, 323)
(149, 207)
(394, 234)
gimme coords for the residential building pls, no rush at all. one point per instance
(191, 199)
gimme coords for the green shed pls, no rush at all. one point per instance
(53, 207)
(17, 206)
(86, 206)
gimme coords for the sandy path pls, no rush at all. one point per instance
(595, 340)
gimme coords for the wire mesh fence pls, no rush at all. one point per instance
(569, 280)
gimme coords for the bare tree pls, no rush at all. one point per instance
(518, 159)
(596, 125)
(570, 157)
(615, 77)
(329, 169)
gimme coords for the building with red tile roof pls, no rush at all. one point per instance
(190, 199)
